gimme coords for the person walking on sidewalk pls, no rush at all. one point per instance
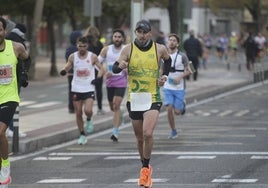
(115, 83)
(251, 50)
(193, 49)
(142, 59)
(10, 52)
(83, 63)
(71, 49)
(174, 88)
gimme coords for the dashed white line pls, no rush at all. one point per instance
(157, 153)
(121, 157)
(225, 113)
(234, 180)
(61, 181)
(45, 104)
(196, 157)
(259, 157)
(52, 158)
(154, 180)
(241, 113)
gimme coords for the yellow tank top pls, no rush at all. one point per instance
(8, 76)
(143, 72)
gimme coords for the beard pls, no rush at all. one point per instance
(117, 44)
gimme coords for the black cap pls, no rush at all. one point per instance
(144, 25)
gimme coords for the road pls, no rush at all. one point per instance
(222, 143)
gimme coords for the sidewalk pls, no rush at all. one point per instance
(51, 127)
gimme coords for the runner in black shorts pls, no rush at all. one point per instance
(138, 115)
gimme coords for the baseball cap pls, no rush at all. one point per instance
(144, 25)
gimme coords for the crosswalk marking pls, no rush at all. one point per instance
(225, 113)
(52, 158)
(259, 157)
(122, 157)
(155, 180)
(25, 103)
(196, 157)
(234, 180)
(61, 181)
(241, 113)
(44, 104)
(130, 153)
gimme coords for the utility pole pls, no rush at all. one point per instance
(137, 10)
(92, 13)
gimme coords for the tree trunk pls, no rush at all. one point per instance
(174, 15)
(53, 69)
(38, 11)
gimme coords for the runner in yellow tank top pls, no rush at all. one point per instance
(142, 59)
(9, 98)
(143, 72)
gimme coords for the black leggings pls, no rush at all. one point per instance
(98, 88)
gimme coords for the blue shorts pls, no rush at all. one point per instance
(174, 98)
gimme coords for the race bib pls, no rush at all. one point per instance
(83, 74)
(140, 101)
(5, 74)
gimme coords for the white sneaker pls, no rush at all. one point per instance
(5, 175)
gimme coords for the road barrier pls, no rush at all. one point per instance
(260, 72)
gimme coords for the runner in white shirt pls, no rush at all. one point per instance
(261, 41)
(174, 88)
(84, 63)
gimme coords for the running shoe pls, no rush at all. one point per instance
(145, 177)
(114, 138)
(5, 180)
(89, 127)
(100, 112)
(82, 140)
(173, 134)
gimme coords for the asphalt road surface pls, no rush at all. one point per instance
(222, 143)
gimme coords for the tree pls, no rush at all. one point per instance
(254, 7)
(37, 18)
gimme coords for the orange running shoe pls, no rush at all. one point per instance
(145, 177)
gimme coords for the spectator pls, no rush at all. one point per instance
(95, 46)
(251, 50)
(17, 34)
(193, 49)
(71, 49)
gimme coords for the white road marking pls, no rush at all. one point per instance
(234, 180)
(259, 157)
(225, 113)
(196, 157)
(241, 113)
(154, 180)
(45, 104)
(61, 181)
(156, 153)
(52, 158)
(227, 176)
(25, 103)
(122, 157)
